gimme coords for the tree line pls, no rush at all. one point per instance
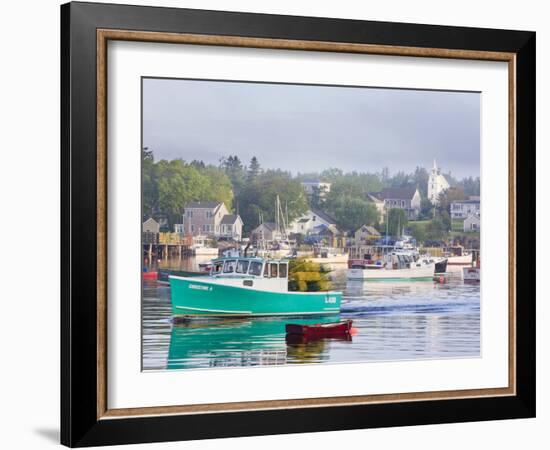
(250, 191)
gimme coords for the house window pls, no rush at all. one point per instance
(192, 228)
(314, 218)
(209, 214)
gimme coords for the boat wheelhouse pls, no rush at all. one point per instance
(243, 287)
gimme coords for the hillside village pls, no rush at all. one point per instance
(234, 203)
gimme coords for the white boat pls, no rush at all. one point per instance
(471, 274)
(330, 259)
(200, 247)
(462, 260)
(394, 266)
(326, 255)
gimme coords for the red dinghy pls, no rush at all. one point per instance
(149, 275)
(320, 329)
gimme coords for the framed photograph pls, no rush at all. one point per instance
(276, 224)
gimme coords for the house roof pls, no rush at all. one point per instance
(149, 220)
(271, 226)
(373, 198)
(205, 205)
(229, 219)
(327, 218)
(471, 201)
(397, 193)
(370, 230)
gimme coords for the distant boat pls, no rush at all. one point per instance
(201, 247)
(393, 266)
(329, 256)
(245, 287)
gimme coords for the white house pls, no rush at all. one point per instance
(464, 208)
(472, 223)
(231, 226)
(316, 187)
(311, 219)
(437, 183)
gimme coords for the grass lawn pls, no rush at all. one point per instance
(457, 225)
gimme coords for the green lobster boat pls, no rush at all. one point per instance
(245, 287)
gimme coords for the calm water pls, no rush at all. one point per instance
(394, 321)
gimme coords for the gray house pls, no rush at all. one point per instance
(150, 226)
(462, 209)
(211, 219)
(266, 231)
(407, 199)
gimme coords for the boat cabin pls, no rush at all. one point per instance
(251, 272)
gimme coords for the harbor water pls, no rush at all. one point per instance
(393, 320)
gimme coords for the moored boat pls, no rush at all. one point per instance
(245, 287)
(471, 274)
(394, 266)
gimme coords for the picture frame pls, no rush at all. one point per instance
(86, 418)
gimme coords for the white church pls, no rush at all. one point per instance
(436, 184)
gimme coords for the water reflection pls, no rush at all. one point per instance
(393, 320)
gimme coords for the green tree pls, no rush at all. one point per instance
(258, 198)
(235, 170)
(397, 221)
(426, 209)
(418, 231)
(353, 212)
(420, 179)
(254, 169)
(149, 189)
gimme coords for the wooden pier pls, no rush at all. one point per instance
(166, 245)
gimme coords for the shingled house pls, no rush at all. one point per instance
(407, 199)
(211, 219)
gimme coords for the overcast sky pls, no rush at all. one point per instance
(312, 128)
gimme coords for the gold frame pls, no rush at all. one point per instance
(103, 36)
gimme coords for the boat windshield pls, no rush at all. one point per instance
(282, 270)
(229, 266)
(242, 266)
(217, 267)
(255, 268)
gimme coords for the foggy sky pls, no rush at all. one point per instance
(312, 128)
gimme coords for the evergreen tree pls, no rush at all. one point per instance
(254, 169)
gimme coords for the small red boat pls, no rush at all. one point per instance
(320, 329)
(149, 275)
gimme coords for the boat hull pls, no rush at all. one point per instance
(463, 260)
(420, 273)
(199, 298)
(471, 274)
